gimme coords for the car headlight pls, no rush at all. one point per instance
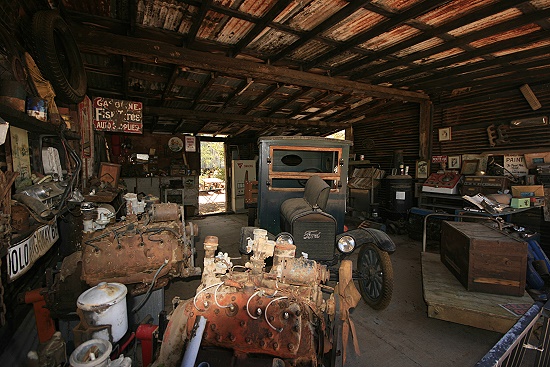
(284, 238)
(346, 244)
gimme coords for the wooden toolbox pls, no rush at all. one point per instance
(484, 259)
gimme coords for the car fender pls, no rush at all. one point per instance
(370, 235)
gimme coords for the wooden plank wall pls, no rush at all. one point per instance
(378, 137)
(470, 115)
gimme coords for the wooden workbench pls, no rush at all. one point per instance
(448, 300)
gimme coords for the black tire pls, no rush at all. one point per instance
(57, 56)
(375, 276)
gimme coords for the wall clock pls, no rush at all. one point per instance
(175, 144)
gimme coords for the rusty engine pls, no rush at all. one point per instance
(151, 243)
(144, 250)
(279, 314)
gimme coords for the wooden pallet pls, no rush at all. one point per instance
(448, 300)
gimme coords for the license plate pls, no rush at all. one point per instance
(23, 254)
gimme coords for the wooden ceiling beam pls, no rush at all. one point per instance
(485, 50)
(288, 101)
(154, 51)
(270, 91)
(471, 71)
(419, 8)
(457, 42)
(246, 119)
(197, 22)
(486, 74)
(260, 25)
(429, 33)
(334, 19)
(170, 84)
(332, 105)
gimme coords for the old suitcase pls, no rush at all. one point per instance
(483, 258)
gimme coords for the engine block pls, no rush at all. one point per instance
(279, 313)
(136, 250)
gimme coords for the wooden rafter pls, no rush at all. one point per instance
(197, 21)
(461, 41)
(427, 34)
(260, 25)
(420, 8)
(491, 48)
(340, 15)
(251, 120)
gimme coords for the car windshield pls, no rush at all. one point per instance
(291, 166)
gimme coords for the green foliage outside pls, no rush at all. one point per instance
(212, 161)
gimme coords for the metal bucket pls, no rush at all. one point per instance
(93, 353)
(105, 304)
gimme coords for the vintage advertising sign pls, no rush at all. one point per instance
(23, 254)
(439, 159)
(117, 115)
(515, 165)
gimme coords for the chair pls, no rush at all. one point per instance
(315, 199)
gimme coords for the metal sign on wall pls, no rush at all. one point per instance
(23, 254)
(117, 115)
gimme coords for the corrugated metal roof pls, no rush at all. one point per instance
(406, 44)
(272, 41)
(485, 22)
(360, 21)
(453, 10)
(390, 38)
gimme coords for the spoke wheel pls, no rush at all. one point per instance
(375, 276)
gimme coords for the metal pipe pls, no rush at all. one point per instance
(190, 356)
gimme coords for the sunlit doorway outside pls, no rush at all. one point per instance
(212, 178)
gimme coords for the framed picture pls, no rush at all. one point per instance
(421, 169)
(445, 134)
(453, 162)
(469, 167)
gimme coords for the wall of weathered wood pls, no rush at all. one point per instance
(469, 114)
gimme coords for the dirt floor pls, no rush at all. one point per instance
(401, 335)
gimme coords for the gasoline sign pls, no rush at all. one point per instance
(117, 115)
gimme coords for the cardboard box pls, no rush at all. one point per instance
(520, 203)
(527, 191)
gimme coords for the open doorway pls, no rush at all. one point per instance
(212, 178)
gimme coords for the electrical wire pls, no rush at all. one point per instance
(216, 299)
(265, 313)
(202, 290)
(247, 306)
(140, 305)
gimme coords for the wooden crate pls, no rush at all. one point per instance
(484, 259)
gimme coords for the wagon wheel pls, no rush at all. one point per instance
(375, 276)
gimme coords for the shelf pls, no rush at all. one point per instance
(23, 121)
(360, 163)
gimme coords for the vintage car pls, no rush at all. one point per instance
(302, 185)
